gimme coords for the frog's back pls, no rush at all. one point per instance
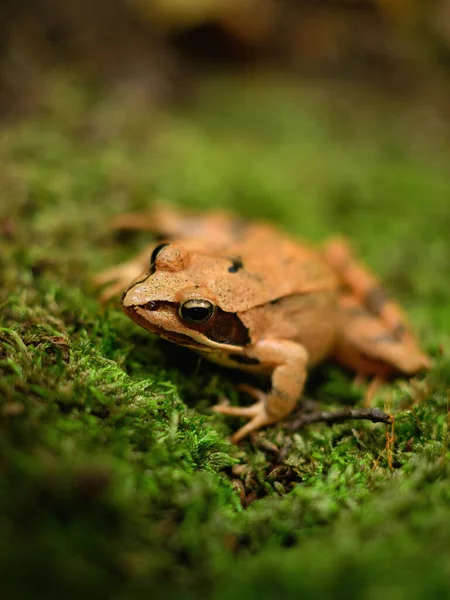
(281, 265)
(299, 300)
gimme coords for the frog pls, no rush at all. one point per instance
(249, 297)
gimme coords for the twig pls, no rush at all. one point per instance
(347, 414)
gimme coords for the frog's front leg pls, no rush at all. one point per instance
(289, 361)
(117, 279)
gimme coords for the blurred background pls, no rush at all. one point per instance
(163, 46)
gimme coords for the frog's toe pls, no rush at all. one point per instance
(116, 280)
(256, 413)
(261, 419)
(111, 291)
(239, 411)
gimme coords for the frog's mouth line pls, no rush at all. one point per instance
(182, 340)
(137, 314)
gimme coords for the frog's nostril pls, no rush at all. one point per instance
(150, 305)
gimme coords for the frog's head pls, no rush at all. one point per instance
(175, 300)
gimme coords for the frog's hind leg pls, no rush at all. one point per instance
(374, 338)
(163, 219)
(367, 346)
(218, 228)
(361, 283)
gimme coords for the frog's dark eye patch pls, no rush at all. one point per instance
(236, 265)
(196, 311)
(155, 253)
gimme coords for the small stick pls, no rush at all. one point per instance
(347, 414)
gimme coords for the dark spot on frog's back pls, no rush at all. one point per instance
(375, 300)
(236, 265)
(400, 331)
(357, 311)
(384, 338)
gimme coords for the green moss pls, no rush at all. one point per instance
(117, 480)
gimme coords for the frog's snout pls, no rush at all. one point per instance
(137, 295)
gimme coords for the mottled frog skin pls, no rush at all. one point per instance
(249, 297)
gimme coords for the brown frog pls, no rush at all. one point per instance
(246, 296)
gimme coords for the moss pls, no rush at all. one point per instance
(116, 478)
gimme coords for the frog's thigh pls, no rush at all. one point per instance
(364, 286)
(367, 345)
(289, 362)
(375, 337)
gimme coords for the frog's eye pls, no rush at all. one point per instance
(155, 253)
(196, 311)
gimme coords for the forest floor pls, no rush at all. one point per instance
(117, 479)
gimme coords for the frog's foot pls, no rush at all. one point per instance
(116, 279)
(256, 413)
(288, 378)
